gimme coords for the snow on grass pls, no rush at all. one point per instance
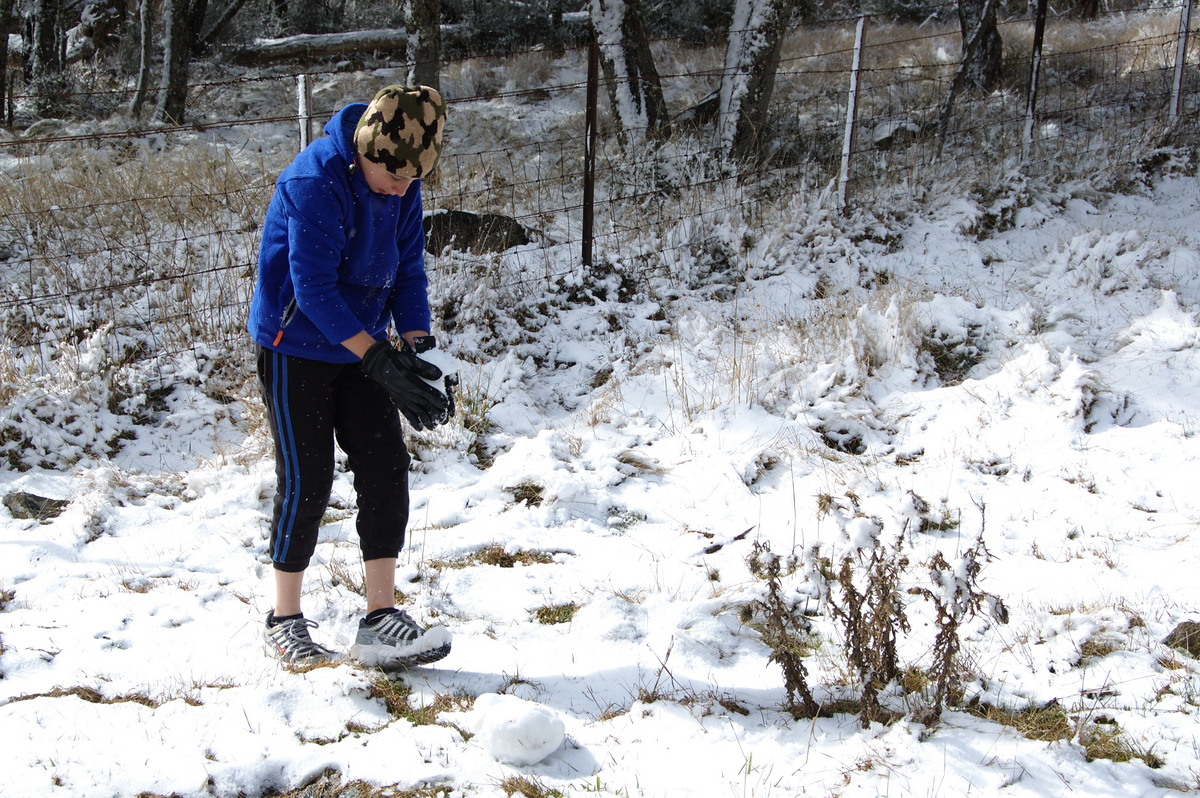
(1035, 386)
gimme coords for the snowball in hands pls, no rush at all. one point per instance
(448, 364)
(515, 731)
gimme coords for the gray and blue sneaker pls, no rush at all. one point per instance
(392, 640)
(289, 641)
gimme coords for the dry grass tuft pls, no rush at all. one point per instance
(1044, 724)
(397, 699)
(555, 613)
(93, 696)
(495, 554)
(1107, 741)
(527, 787)
(528, 493)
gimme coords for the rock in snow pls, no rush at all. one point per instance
(515, 731)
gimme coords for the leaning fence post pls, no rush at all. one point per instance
(303, 104)
(1035, 70)
(851, 114)
(589, 151)
(1185, 25)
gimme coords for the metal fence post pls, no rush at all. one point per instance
(1185, 25)
(589, 152)
(851, 115)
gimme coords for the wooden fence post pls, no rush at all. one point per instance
(303, 106)
(1035, 70)
(1185, 25)
(851, 115)
(589, 152)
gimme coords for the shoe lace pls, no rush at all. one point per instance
(398, 624)
(293, 639)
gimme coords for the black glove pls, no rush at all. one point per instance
(423, 343)
(400, 372)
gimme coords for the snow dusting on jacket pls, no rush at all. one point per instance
(337, 258)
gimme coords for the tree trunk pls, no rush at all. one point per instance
(1086, 9)
(46, 80)
(423, 28)
(634, 88)
(145, 57)
(279, 12)
(751, 60)
(982, 47)
(178, 17)
(6, 7)
(222, 21)
(195, 18)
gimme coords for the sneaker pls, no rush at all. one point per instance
(396, 641)
(289, 641)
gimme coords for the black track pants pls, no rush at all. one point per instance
(311, 404)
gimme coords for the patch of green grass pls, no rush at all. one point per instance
(396, 697)
(94, 696)
(527, 787)
(329, 783)
(528, 493)
(1044, 724)
(914, 680)
(1097, 647)
(624, 520)
(472, 409)
(1107, 741)
(496, 555)
(555, 613)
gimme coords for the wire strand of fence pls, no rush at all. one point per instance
(716, 73)
(659, 211)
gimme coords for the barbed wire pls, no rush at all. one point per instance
(641, 207)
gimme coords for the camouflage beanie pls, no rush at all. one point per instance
(402, 130)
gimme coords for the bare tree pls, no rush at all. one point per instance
(177, 54)
(634, 88)
(983, 49)
(6, 7)
(45, 77)
(183, 21)
(980, 67)
(1086, 9)
(220, 24)
(751, 60)
(423, 26)
(145, 58)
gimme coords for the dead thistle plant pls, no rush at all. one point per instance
(956, 598)
(869, 603)
(783, 628)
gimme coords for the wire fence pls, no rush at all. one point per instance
(148, 234)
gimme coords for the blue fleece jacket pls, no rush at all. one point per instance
(337, 258)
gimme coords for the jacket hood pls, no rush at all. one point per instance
(341, 129)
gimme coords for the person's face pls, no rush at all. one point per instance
(381, 181)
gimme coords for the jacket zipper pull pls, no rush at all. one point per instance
(288, 313)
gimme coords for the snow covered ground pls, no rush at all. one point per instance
(1038, 387)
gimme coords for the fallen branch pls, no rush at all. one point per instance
(317, 45)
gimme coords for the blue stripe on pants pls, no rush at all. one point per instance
(287, 448)
(310, 405)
